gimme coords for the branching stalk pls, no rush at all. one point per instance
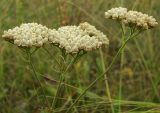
(62, 79)
(109, 67)
(36, 76)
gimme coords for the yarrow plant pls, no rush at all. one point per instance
(137, 23)
(76, 41)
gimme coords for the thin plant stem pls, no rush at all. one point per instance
(61, 81)
(109, 67)
(106, 81)
(36, 76)
(121, 67)
(35, 91)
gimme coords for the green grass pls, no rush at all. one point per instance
(140, 86)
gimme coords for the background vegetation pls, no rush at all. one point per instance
(141, 71)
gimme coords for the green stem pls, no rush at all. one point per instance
(106, 81)
(36, 76)
(98, 78)
(61, 80)
(121, 67)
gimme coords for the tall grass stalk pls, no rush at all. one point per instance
(154, 86)
(106, 80)
(121, 67)
(108, 69)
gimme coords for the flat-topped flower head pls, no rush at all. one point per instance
(138, 19)
(93, 32)
(28, 35)
(116, 13)
(75, 38)
(131, 18)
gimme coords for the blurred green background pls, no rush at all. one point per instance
(141, 71)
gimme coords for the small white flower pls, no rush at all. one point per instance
(53, 36)
(93, 32)
(131, 18)
(75, 38)
(140, 20)
(28, 35)
(116, 13)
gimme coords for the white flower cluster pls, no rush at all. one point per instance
(131, 18)
(140, 20)
(93, 32)
(116, 13)
(83, 37)
(71, 38)
(54, 36)
(27, 35)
